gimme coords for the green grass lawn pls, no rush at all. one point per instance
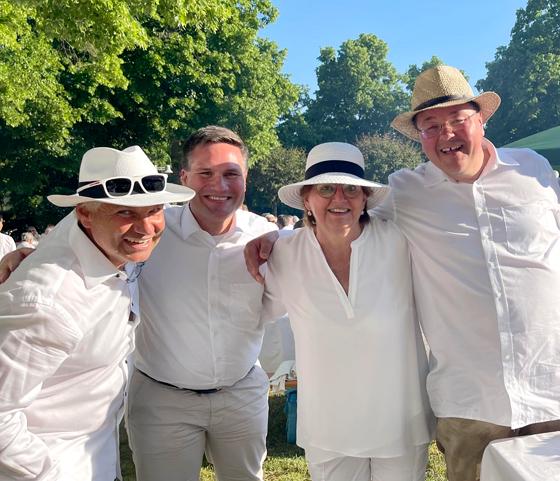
(285, 462)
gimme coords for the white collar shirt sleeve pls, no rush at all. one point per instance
(64, 336)
(7, 244)
(201, 310)
(486, 267)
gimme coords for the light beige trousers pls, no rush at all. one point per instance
(171, 429)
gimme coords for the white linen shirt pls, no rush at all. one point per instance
(361, 363)
(486, 267)
(64, 337)
(200, 307)
(7, 244)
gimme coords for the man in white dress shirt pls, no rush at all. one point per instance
(483, 229)
(67, 318)
(7, 244)
(196, 389)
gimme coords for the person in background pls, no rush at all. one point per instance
(7, 243)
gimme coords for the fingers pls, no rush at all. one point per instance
(253, 260)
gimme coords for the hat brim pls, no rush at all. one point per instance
(291, 194)
(173, 193)
(487, 101)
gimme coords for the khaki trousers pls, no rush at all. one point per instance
(171, 429)
(462, 441)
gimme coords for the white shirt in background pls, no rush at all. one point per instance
(7, 244)
(361, 363)
(486, 266)
(65, 332)
(201, 309)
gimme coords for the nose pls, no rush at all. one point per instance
(146, 225)
(339, 193)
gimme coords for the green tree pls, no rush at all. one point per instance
(526, 74)
(385, 154)
(359, 91)
(280, 167)
(118, 72)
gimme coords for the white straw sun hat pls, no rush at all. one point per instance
(333, 163)
(442, 86)
(101, 164)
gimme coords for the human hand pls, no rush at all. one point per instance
(257, 252)
(10, 261)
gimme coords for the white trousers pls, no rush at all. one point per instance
(410, 467)
(171, 429)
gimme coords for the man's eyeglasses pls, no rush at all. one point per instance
(329, 190)
(115, 187)
(432, 130)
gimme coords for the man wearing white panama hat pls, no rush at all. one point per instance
(482, 225)
(67, 318)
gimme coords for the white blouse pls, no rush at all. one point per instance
(360, 358)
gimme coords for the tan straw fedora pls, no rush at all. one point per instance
(442, 86)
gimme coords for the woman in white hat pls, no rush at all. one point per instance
(345, 282)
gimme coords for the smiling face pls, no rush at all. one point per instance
(217, 172)
(123, 234)
(457, 151)
(336, 215)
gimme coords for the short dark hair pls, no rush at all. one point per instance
(212, 134)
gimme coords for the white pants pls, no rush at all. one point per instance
(410, 467)
(170, 429)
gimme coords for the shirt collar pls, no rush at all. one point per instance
(434, 175)
(96, 268)
(189, 224)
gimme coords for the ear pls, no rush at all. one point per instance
(84, 216)
(183, 175)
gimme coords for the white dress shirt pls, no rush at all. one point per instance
(361, 363)
(486, 266)
(200, 307)
(7, 244)
(64, 336)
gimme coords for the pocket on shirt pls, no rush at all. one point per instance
(246, 304)
(530, 229)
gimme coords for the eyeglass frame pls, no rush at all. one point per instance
(353, 195)
(454, 125)
(133, 181)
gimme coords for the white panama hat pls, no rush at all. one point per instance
(333, 163)
(102, 163)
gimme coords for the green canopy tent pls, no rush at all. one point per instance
(546, 143)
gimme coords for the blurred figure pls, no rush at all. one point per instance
(285, 222)
(7, 244)
(27, 240)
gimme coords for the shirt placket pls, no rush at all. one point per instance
(498, 291)
(214, 302)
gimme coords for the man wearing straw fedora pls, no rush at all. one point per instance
(483, 229)
(67, 318)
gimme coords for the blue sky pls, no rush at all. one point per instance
(464, 33)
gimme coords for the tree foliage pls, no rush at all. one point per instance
(74, 75)
(526, 74)
(280, 167)
(359, 93)
(385, 154)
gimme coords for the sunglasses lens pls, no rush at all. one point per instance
(118, 187)
(153, 183)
